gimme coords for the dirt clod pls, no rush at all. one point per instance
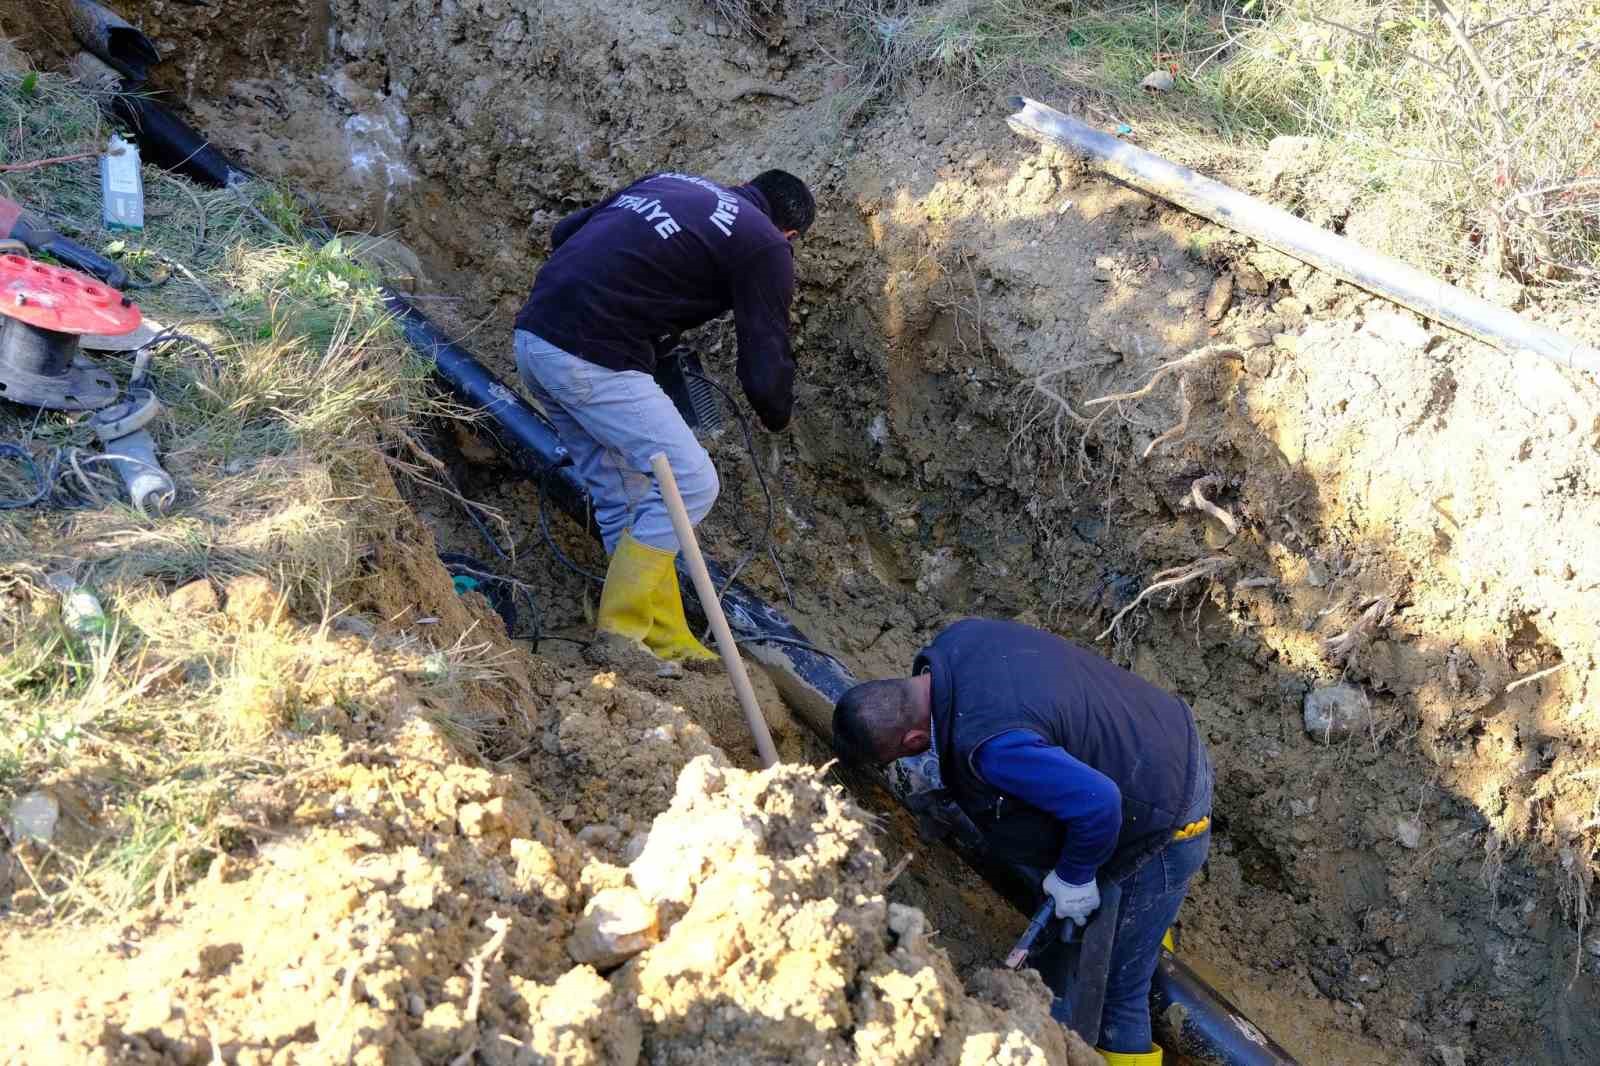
(196, 598)
(252, 600)
(617, 924)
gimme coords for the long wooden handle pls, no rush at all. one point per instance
(713, 608)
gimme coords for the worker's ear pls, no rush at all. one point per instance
(913, 742)
(791, 234)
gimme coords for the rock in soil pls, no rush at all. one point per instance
(1220, 297)
(1336, 713)
(252, 600)
(197, 597)
(617, 924)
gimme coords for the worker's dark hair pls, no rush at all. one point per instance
(789, 202)
(870, 719)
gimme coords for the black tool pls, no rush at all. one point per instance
(1041, 918)
(680, 376)
(1094, 964)
(19, 224)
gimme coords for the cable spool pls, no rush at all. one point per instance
(44, 310)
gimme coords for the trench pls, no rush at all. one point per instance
(906, 496)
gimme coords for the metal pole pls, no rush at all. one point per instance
(1429, 296)
(713, 608)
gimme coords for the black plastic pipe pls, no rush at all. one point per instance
(1195, 1021)
(172, 144)
(1190, 1018)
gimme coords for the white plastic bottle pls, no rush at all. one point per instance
(122, 185)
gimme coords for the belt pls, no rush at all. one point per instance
(1193, 829)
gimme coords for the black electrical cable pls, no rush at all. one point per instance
(765, 541)
(45, 479)
(534, 614)
(550, 541)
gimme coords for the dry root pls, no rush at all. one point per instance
(1176, 366)
(1208, 568)
(1376, 615)
(1185, 405)
(1197, 499)
(486, 957)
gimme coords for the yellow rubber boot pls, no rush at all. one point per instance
(1124, 1058)
(627, 603)
(669, 636)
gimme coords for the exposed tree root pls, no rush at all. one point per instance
(1376, 614)
(1197, 499)
(1193, 359)
(1208, 568)
(1186, 405)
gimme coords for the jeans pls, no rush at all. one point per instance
(1151, 897)
(613, 421)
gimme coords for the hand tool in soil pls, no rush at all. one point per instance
(713, 608)
(1041, 918)
(1094, 963)
(19, 224)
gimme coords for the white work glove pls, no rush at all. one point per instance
(1076, 902)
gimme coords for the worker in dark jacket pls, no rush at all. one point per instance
(625, 277)
(1065, 763)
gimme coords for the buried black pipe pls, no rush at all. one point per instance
(1190, 1018)
(172, 144)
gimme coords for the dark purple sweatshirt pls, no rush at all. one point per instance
(666, 254)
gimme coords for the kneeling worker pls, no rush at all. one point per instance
(666, 254)
(1066, 763)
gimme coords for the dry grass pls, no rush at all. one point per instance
(1474, 122)
(1465, 130)
(275, 439)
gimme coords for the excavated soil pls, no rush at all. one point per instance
(1414, 892)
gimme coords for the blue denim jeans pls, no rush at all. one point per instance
(1151, 897)
(613, 421)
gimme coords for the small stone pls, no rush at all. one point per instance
(1220, 298)
(197, 597)
(1450, 1056)
(215, 959)
(1258, 362)
(1301, 808)
(34, 817)
(1252, 338)
(252, 601)
(606, 837)
(415, 1005)
(1409, 832)
(617, 924)
(355, 626)
(1336, 712)
(1158, 81)
(908, 924)
(1250, 279)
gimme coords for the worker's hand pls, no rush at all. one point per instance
(1075, 902)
